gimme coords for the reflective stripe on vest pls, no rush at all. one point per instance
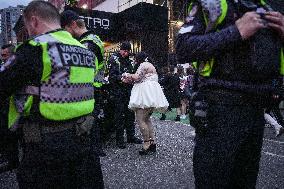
(18, 106)
(66, 89)
(282, 62)
(221, 8)
(17, 47)
(100, 66)
(205, 68)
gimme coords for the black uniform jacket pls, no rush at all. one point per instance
(245, 65)
(117, 66)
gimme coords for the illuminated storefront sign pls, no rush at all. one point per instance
(102, 23)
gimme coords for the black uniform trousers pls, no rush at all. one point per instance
(124, 118)
(8, 139)
(59, 160)
(97, 129)
(227, 154)
(10, 147)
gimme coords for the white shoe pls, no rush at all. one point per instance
(183, 117)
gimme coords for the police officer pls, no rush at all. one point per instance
(237, 49)
(9, 140)
(75, 25)
(53, 73)
(120, 63)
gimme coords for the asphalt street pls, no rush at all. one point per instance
(171, 166)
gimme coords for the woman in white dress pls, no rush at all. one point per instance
(146, 96)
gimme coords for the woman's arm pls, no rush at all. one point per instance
(139, 74)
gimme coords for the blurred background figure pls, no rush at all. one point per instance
(6, 52)
(171, 85)
(189, 88)
(183, 98)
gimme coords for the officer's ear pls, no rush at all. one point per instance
(34, 21)
(73, 24)
(32, 25)
(71, 27)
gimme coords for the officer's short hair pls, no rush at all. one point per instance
(68, 16)
(125, 46)
(10, 48)
(42, 9)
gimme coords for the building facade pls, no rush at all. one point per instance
(9, 17)
(176, 11)
(135, 31)
(116, 6)
(144, 25)
(85, 4)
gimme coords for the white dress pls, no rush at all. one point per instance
(147, 92)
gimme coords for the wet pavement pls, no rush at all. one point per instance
(171, 166)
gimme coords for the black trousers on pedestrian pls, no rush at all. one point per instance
(227, 154)
(124, 119)
(59, 160)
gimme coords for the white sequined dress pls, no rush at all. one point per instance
(147, 92)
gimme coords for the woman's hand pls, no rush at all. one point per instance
(126, 78)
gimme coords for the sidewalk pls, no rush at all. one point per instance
(171, 115)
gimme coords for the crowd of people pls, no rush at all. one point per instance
(57, 103)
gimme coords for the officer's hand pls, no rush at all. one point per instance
(249, 24)
(276, 21)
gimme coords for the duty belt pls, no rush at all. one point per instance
(238, 86)
(33, 131)
(230, 97)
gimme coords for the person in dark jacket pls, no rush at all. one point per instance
(170, 83)
(120, 63)
(8, 139)
(75, 25)
(238, 57)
